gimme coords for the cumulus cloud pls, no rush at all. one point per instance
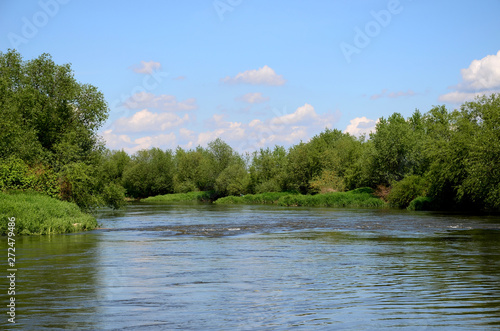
(147, 67)
(282, 129)
(361, 125)
(146, 129)
(162, 102)
(253, 98)
(145, 120)
(481, 77)
(114, 141)
(129, 145)
(386, 94)
(261, 76)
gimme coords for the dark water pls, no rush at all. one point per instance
(206, 267)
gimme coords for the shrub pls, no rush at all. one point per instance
(79, 186)
(15, 174)
(404, 191)
(327, 182)
(422, 203)
(114, 195)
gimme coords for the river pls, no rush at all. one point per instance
(210, 267)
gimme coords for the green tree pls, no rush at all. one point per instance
(267, 170)
(479, 129)
(150, 173)
(50, 121)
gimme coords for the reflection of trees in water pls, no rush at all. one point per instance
(57, 280)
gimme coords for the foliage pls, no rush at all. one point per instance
(150, 173)
(335, 199)
(15, 174)
(36, 213)
(80, 186)
(114, 195)
(185, 197)
(422, 203)
(48, 129)
(327, 182)
(233, 180)
(404, 191)
(261, 198)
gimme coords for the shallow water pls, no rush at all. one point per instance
(209, 267)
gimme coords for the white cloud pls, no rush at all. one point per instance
(163, 141)
(482, 74)
(253, 98)
(145, 120)
(460, 97)
(147, 67)
(261, 76)
(481, 77)
(361, 125)
(283, 129)
(114, 141)
(162, 102)
(387, 94)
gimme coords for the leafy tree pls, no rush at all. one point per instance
(150, 173)
(50, 121)
(267, 170)
(479, 129)
(233, 180)
(399, 148)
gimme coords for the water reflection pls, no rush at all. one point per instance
(56, 282)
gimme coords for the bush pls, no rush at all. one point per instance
(114, 195)
(404, 191)
(79, 186)
(15, 174)
(177, 197)
(262, 198)
(357, 198)
(271, 185)
(233, 180)
(327, 182)
(422, 203)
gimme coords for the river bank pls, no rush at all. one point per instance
(38, 214)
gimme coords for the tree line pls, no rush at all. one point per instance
(48, 142)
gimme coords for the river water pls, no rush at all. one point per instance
(209, 267)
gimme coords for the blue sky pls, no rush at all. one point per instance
(258, 73)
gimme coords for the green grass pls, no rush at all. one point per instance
(261, 198)
(37, 214)
(178, 197)
(361, 198)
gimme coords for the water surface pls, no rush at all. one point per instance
(209, 267)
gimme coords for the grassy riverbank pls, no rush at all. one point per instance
(37, 214)
(362, 197)
(182, 197)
